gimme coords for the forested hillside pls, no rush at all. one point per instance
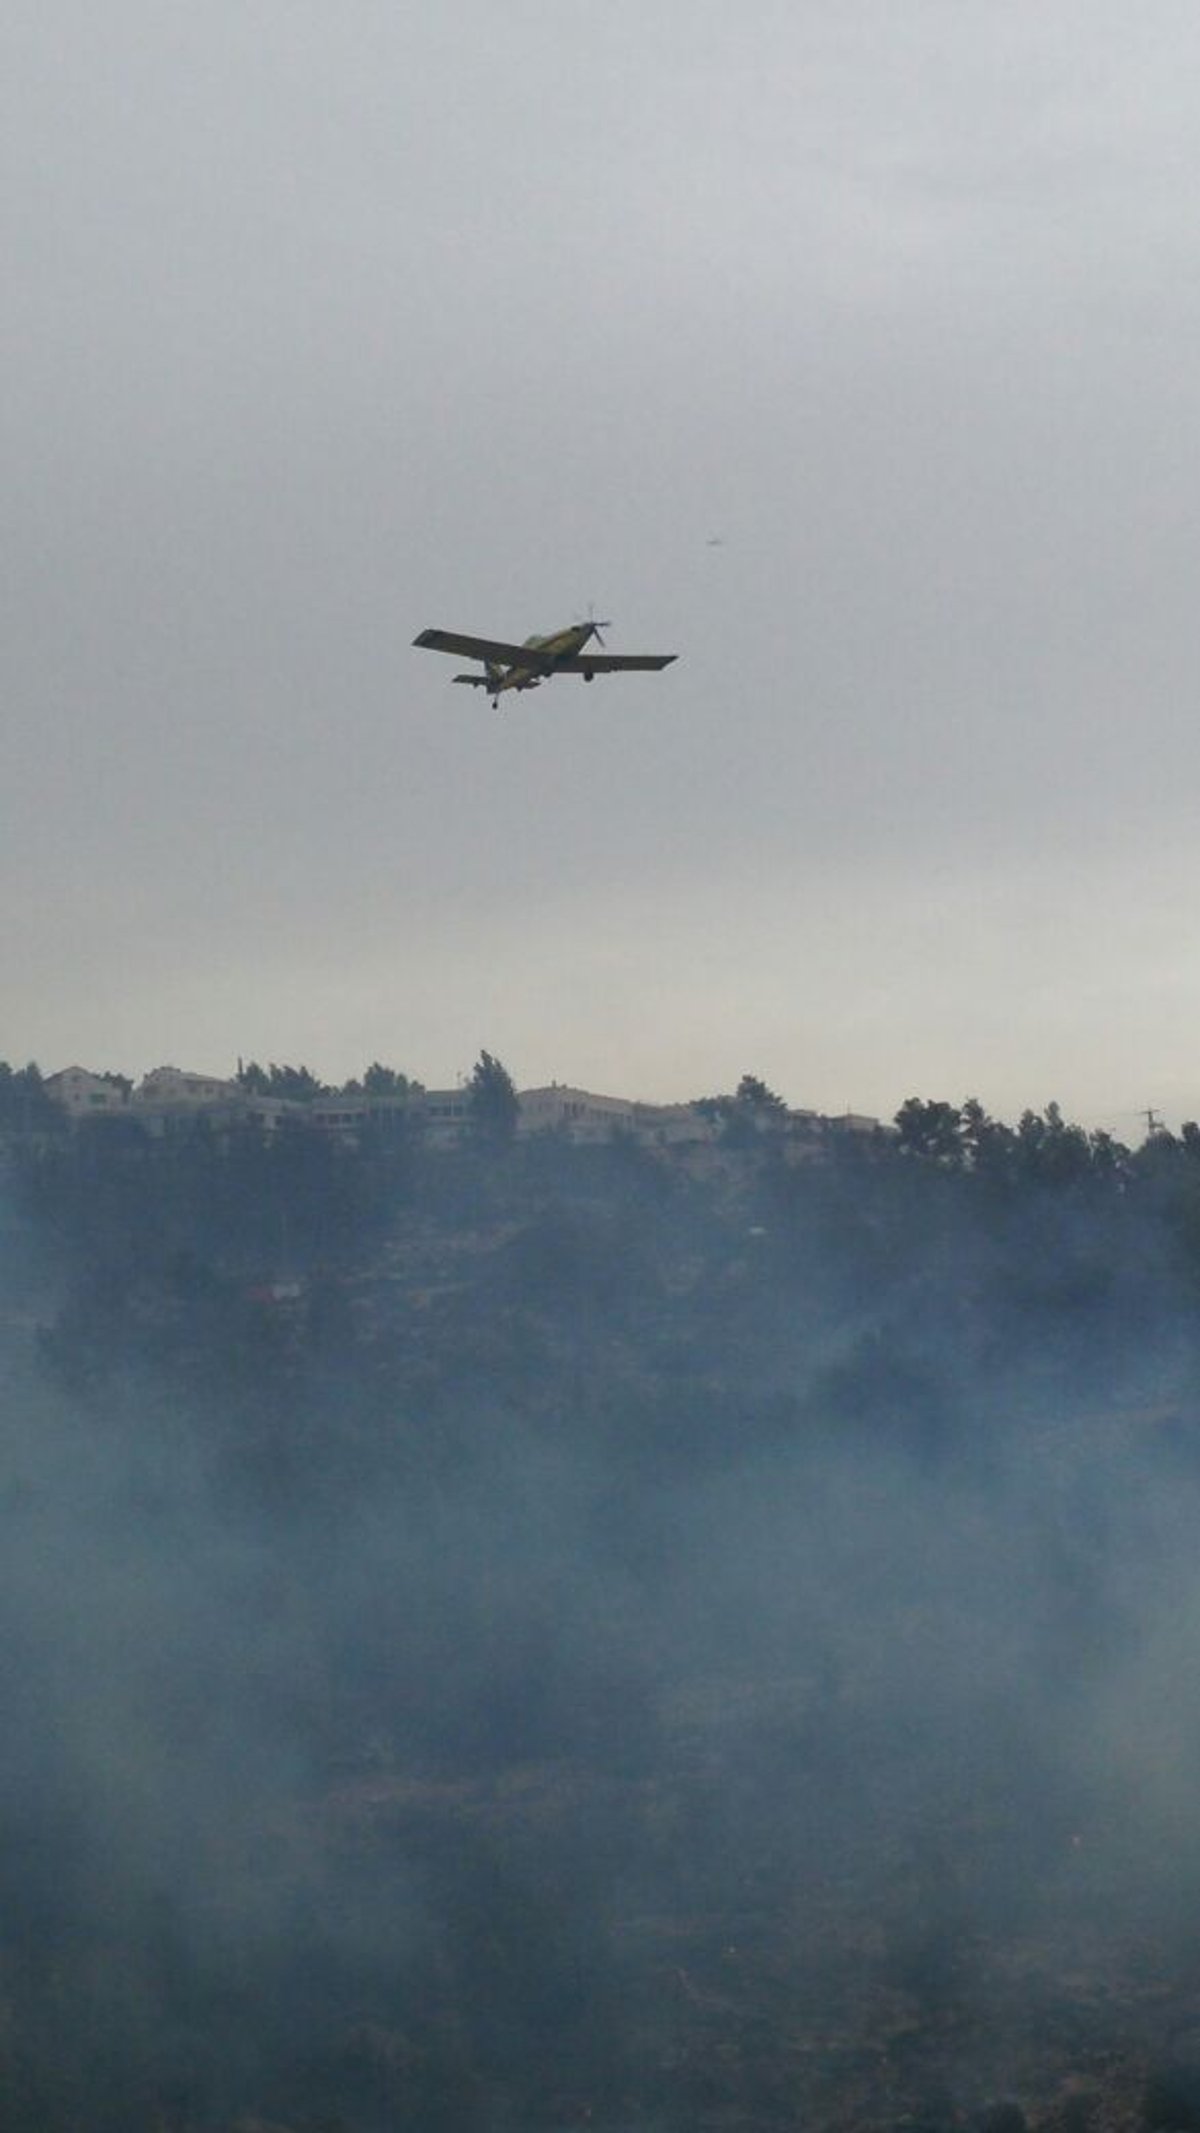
(518, 1634)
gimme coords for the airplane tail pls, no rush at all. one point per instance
(495, 678)
(491, 677)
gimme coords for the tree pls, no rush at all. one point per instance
(295, 1084)
(930, 1131)
(1053, 1152)
(24, 1105)
(754, 1095)
(384, 1081)
(493, 1100)
(752, 1109)
(298, 1084)
(987, 1143)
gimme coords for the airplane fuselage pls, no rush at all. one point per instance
(561, 644)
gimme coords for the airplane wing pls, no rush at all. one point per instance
(490, 648)
(615, 662)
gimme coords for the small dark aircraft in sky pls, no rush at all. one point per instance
(525, 666)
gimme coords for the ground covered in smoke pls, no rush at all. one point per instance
(544, 1637)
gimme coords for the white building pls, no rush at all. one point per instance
(580, 1115)
(672, 1125)
(168, 1088)
(575, 1112)
(444, 1113)
(85, 1095)
(348, 1115)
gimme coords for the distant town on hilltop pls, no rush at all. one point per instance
(168, 1099)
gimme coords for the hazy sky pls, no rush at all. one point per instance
(325, 323)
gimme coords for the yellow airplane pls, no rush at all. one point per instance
(526, 666)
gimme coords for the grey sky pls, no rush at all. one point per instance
(327, 323)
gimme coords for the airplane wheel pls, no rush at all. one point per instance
(589, 677)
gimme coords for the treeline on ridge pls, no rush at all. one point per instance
(857, 1279)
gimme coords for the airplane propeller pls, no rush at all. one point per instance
(597, 626)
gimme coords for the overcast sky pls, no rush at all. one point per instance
(847, 350)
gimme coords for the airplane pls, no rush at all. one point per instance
(526, 666)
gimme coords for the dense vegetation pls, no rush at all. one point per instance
(517, 1634)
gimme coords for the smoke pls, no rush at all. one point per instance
(656, 1663)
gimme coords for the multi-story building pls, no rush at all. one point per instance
(445, 1114)
(580, 1115)
(82, 1094)
(168, 1087)
(168, 1100)
(348, 1115)
(573, 1112)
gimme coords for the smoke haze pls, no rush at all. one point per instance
(636, 1652)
